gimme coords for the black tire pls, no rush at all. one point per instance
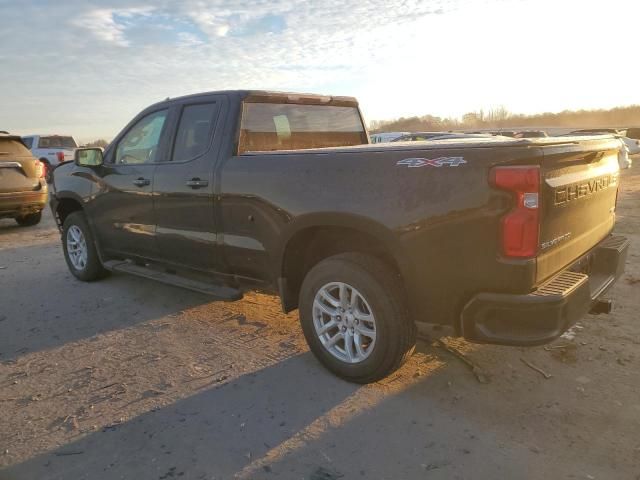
(380, 286)
(29, 220)
(93, 270)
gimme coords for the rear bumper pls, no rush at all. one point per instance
(544, 314)
(18, 204)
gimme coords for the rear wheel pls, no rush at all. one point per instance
(354, 317)
(29, 220)
(80, 250)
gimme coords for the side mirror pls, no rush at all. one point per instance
(88, 157)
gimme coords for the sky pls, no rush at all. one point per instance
(86, 67)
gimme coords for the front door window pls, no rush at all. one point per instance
(140, 144)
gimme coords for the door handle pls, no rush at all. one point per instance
(197, 183)
(141, 182)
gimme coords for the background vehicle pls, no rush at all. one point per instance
(386, 136)
(503, 133)
(531, 134)
(507, 240)
(633, 144)
(23, 191)
(624, 160)
(422, 136)
(51, 150)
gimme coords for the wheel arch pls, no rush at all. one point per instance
(65, 205)
(316, 237)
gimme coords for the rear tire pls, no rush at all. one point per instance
(376, 288)
(29, 220)
(80, 250)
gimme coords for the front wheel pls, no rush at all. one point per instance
(80, 250)
(354, 317)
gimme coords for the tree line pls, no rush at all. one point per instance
(502, 118)
(97, 143)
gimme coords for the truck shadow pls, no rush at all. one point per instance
(295, 420)
(44, 306)
(212, 434)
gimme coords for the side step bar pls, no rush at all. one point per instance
(220, 291)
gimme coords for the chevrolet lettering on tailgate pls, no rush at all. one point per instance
(584, 189)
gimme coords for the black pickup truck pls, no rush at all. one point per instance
(507, 240)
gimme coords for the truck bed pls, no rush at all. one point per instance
(489, 142)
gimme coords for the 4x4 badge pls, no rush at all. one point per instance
(434, 162)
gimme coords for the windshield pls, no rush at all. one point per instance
(57, 141)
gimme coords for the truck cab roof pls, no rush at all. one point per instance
(270, 96)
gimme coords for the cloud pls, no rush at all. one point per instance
(103, 26)
(102, 23)
(186, 39)
(104, 62)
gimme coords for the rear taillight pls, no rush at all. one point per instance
(41, 169)
(60, 156)
(521, 225)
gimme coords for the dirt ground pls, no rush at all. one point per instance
(129, 379)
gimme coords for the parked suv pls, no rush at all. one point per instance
(51, 150)
(23, 190)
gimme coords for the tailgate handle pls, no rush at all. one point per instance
(197, 183)
(141, 182)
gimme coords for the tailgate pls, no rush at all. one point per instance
(579, 191)
(18, 171)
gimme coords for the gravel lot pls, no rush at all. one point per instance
(126, 378)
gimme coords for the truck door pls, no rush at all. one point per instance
(183, 188)
(123, 207)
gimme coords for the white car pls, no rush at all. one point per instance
(631, 141)
(625, 150)
(51, 149)
(632, 134)
(623, 155)
(632, 144)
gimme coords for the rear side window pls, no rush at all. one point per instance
(274, 126)
(194, 131)
(10, 146)
(28, 141)
(57, 142)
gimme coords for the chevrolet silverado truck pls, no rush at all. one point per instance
(507, 240)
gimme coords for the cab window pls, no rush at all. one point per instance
(275, 126)
(194, 132)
